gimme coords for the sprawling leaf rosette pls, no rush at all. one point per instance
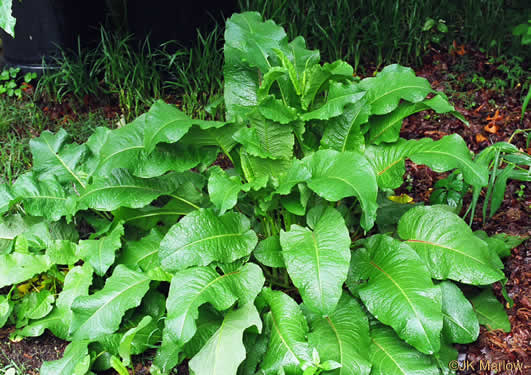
(137, 240)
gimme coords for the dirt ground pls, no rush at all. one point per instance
(493, 117)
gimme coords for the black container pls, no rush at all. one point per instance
(164, 20)
(44, 27)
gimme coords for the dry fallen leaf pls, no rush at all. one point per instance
(491, 127)
(496, 117)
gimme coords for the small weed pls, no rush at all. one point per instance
(409, 183)
(520, 193)
(9, 367)
(9, 85)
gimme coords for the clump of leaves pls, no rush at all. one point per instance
(272, 266)
(8, 82)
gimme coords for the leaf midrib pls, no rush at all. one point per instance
(402, 291)
(339, 342)
(207, 239)
(113, 298)
(458, 324)
(121, 187)
(277, 329)
(166, 124)
(391, 165)
(345, 140)
(466, 162)
(389, 356)
(396, 121)
(63, 163)
(396, 89)
(318, 270)
(451, 249)
(119, 152)
(192, 302)
(42, 197)
(158, 213)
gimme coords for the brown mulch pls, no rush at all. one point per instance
(493, 118)
(30, 352)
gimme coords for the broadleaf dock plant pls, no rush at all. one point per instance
(290, 261)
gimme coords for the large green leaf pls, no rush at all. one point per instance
(460, 322)
(339, 96)
(35, 305)
(121, 189)
(76, 284)
(224, 189)
(202, 237)
(392, 356)
(265, 138)
(192, 288)
(101, 253)
(7, 21)
(154, 306)
(208, 322)
(53, 156)
(214, 359)
(269, 252)
(10, 227)
(143, 254)
(124, 148)
(165, 123)
(303, 59)
(490, 311)
(318, 75)
(74, 361)
(446, 356)
(5, 198)
(248, 44)
(443, 155)
(17, 267)
(447, 246)
(386, 128)
(276, 110)
(399, 291)
(120, 148)
(343, 336)
(147, 217)
(392, 84)
(448, 153)
(259, 171)
(318, 260)
(337, 175)
(175, 157)
(342, 133)
(195, 286)
(288, 347)
(100, 313)
(44, 197)
(6, 308)
(222, 137)
(125, 347)
(388, 161)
